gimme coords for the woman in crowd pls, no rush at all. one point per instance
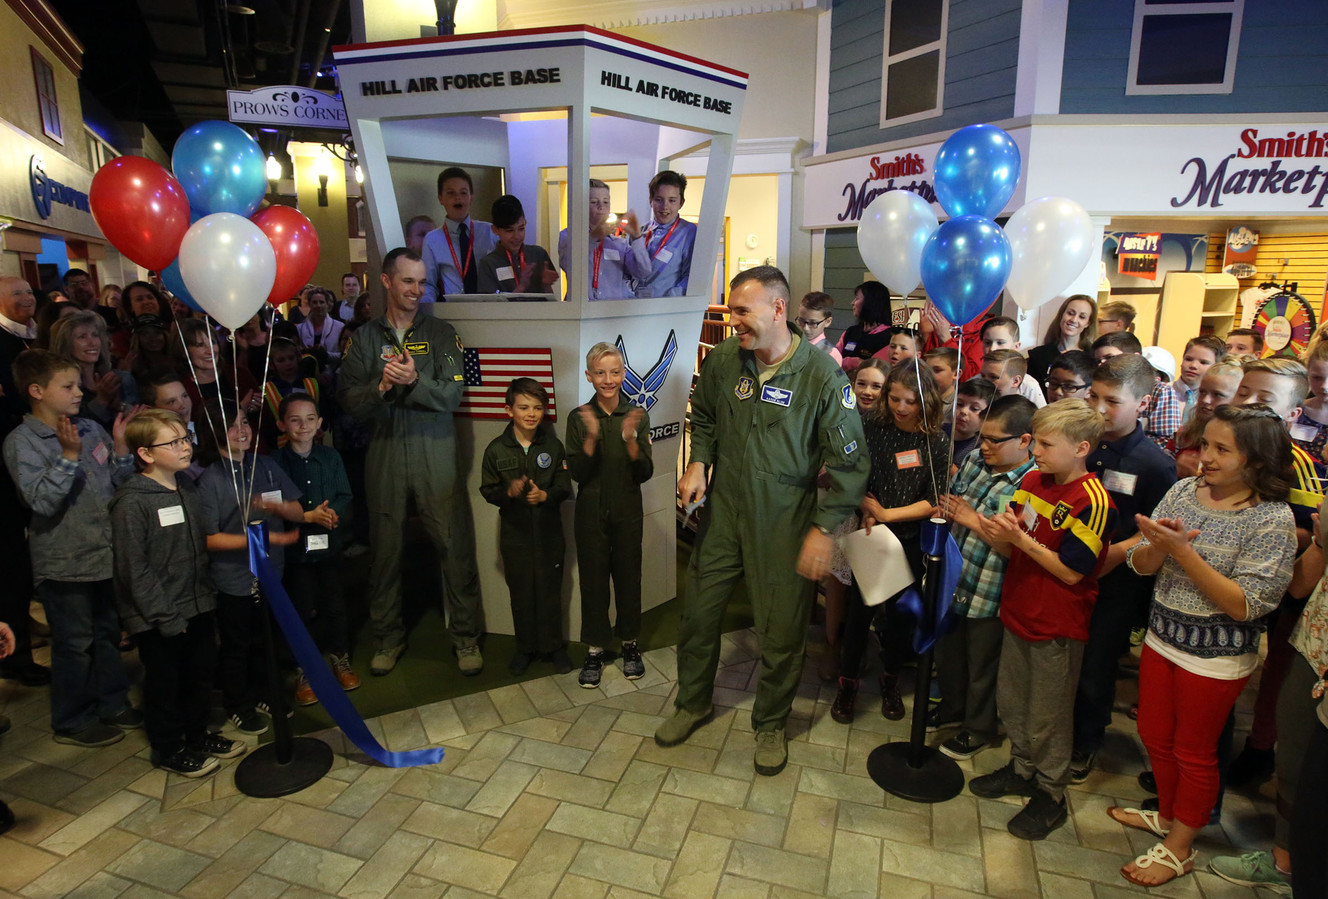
(1073, 328)
(209, 374)
(870, 336)
(82, 338)
(139, 298)
(1222, 546)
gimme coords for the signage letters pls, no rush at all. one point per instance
(1207, 190)
(46, 190)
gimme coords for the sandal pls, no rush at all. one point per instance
(1161, 855)
(1151, 821)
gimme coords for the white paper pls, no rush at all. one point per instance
(664, 256)
(504, 273)
(316, 542)
(271, 496)
(879, 563)
(170, 515)
(612, 255)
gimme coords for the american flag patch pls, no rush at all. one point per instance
(487, 372)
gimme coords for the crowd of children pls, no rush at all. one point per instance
(1183, 495)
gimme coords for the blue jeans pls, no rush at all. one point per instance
(88, 680)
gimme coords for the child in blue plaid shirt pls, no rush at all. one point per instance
(968, 657)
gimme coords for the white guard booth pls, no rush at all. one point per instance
(528, 102)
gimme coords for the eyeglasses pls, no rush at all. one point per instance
(1063, 385)
(177, 444)
(996, 441)
(809, 323)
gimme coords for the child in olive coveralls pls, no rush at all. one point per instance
(608, 452)
(524, 474)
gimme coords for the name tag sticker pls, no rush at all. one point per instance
(776, 395)
(850, 346)
(1029, 517)
(316, 542)
(271, 496)
(101, 454)
(908, 459)
(504, 273)
(1119, 482)
(419, 348)
(170, 515)
(1304, 432)
(664, 256)
(612, 255)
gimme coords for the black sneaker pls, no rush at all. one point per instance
(1147, 782)
(519, 663)
(218, 747)
(963, 745)
(1039, 817)
(935, 723)
(266, 709)
(1002, 782)
(1082, 765)
(129, 718)
(7, 818)
(562, 663)
(187, 763)
(95, 734)
(249, 722)
(591, 669)
(633, 667)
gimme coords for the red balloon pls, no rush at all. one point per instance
(296, 243)
(141, 208)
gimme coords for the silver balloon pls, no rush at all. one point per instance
(229, 267)
(893, 230)
(1051, 242)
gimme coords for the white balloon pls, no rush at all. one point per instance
(1051, 242)
(891, 234)
(229, 266)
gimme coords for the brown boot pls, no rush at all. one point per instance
(892, 704)
(842, 710)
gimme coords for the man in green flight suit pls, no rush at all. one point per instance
(402, 375)
(768, 411)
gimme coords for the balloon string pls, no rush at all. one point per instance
(926, 430)
(246, 489)
(218, 436)
(267, 355)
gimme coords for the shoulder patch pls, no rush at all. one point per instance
(849, 399)
(1060, 513)
(460, 348)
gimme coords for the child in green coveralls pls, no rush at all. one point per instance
(524, 474)
(608, 452)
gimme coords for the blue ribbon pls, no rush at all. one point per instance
(325, 684)
(936, 540)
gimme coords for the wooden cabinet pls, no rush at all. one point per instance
(1193, 302)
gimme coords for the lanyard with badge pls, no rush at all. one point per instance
(667, 234)
(456, 263)
(596, 258)
(517, 267)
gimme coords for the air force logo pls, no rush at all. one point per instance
(776, 395)
(850, 399)
(641, 391)
(743, 390)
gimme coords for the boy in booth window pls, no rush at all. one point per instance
(515, 266)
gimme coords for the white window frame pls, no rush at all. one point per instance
(1141, 9)
(938, 45)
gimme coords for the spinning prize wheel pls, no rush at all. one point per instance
(1286, 322)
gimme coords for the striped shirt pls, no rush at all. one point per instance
(988, 492)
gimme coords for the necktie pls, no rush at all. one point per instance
(468, 274)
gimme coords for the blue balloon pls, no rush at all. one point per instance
(964, 266)
(976, 171)
(221, 168)
(174, 281)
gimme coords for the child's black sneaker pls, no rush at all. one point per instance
(249, 722)
(266, 709)
(562, 662)
(187, 763)
(519, 663)
(218, 747)
(591, 669)
(633, 667)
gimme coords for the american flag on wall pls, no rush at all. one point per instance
(489, 370)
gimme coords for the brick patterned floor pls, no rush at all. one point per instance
(549, 790)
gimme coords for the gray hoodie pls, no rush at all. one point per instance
(161, 557)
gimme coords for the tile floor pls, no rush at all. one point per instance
(547, 789)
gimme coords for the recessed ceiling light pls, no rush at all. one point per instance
(239, 9)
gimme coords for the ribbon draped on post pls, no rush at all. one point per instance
(329, 691)
(936, 541)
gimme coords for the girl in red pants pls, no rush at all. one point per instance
(1223, 546)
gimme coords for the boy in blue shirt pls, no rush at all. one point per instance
(66, 472)
(661, 258)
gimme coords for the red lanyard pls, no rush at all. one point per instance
(470, 254)
(518, 266)
(597, 256)
(667, 235)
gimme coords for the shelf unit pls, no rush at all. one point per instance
(1191, 301)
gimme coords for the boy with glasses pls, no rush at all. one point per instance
(1070, 375)
(815, 313)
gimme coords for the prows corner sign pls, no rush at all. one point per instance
(287, 107)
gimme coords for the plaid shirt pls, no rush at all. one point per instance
(1162, 419)
(979, 592)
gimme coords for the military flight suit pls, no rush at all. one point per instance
(609, 520)
(530, 537)
(412, 453)
(764, 445)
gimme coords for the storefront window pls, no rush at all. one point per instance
(1210, 33)
(47, 104)
(913, 65)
